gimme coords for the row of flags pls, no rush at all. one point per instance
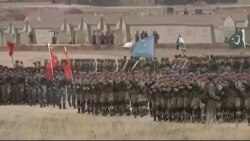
(146, 47)
(143, 48)
(52, 64)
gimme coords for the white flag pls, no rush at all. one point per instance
(128, 44)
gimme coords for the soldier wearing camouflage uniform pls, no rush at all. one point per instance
(60, 88)
(211, 100)
(40, 79)
(31, 89)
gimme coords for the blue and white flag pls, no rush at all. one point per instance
(144, 48)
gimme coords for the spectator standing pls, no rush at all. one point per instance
(142, 35)
(102, 39)
(112, 38)
(137, 36)
(156, 37)
(94, 39)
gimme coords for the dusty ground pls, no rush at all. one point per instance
(29, 56)
(24, 122)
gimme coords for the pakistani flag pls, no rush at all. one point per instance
(237, 40)
(180, 45)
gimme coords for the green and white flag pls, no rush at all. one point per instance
(237, 40)
(180, 45)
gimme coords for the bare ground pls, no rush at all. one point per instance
(24, 122)
(29, 56)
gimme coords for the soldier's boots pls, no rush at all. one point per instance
(231, 116)
(194, 117)
(154, 114)
(150, 109)
(248, 121)
(239, 116)
(143, 109)
(70, 105)
(159, 116)
(74, 105)
(88, 107)
(186, 116)
(248, 116)
(165, 114)
(104, 109)
(92, 109)
(82, 107)
(60, 106)
(127, 108)
(121, 109)
(64, 105)
(135, 112)
(112, 110)
(97, 111)
(219, 116)
(170, 115)
(83, 110)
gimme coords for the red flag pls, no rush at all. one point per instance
(67, 67)
(54, 59)
(10, 46)
(51, 65)
(49, 72)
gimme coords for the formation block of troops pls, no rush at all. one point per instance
(197, 89)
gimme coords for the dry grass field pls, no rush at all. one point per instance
(24, 122)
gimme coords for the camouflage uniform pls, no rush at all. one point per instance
(7, 88)
(142, 100)
(31, 91)
(97, 96)
(42, 91)
(173, 105)
(89, 90)
(110, 97)
(21, 89)
(211, 102)
(69, 88)
(180, 102)
(133, 92)
(60, 88)
(247, 101)
(14, 90)
(195, 101)
(105, 97)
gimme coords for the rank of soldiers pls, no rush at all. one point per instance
(183, 89)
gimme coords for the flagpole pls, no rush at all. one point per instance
(51, 65)
(135, 65)
(125, 65)
(67, 57)
(12, 61)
